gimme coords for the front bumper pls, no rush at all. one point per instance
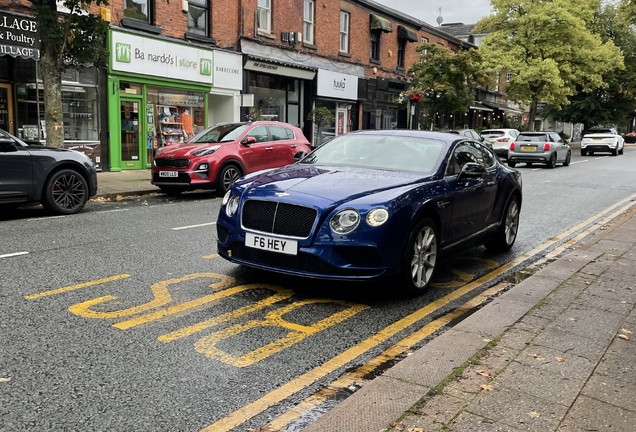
(184, 180)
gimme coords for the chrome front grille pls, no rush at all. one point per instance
(278, 218)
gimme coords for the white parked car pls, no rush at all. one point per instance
(500, 139)
(599, 139)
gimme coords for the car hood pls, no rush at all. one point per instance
(186, 149)
(331, 183)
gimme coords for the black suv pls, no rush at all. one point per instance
(62, 180)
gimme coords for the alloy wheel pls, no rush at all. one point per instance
(230, 175)
(68, 191)
(424, 257)
(512, 222)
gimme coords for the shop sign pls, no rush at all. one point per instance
(337, 85)
(19, 36)
(140, 55)
(271, 68)
(228, 70)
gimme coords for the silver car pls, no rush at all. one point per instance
(500, 139)
(539, 147)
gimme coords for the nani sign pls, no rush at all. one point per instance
(154, 57)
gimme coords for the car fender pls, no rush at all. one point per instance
(43, 176)
(227, 162)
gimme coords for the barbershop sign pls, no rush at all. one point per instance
(19, 36)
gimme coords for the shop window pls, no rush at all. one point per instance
(270, 95)
(308, 22)
(375, 45)
(138, 9)
(173, 115)
(198, 17)
(401, 51)
(79, 111)
(265, 15)
(345, 18)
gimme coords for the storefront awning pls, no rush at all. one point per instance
(503, 107)
(380, 23)
(408, 34)
(279, 68)
(479, 107)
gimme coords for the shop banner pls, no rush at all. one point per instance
(337, 85)
(19, 36)
(271, 68)
(141, 55)
(228, 70)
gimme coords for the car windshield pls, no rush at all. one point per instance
(219, 133)
(532, 137)
(492, 134)
(400, 153)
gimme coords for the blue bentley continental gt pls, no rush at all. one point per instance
(370, 204)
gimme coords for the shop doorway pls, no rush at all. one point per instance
(132, 141)
(6, 109)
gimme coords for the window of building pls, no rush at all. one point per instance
(198, 17)
(508, 76)
(265, 15)
(308, 22)
(401, 51)
(375, 45)
(138, 9)
(344, 31)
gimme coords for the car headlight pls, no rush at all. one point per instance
(206, 151)
(232, 206)
(377, 217)
(226, 197)
(344, 221)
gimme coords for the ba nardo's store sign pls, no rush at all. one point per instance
(19, 36)
(147, 56)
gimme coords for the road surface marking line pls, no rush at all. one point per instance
(76, 287)
(349, 378)
(292, 387)
(194, 226)
(216, 255)
(45, 218)
(113, 211)
(585, 160)
(13, 254)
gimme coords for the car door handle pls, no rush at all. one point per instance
(294, 146)
(269, 148)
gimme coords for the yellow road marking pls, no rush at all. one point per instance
(288, 389)
(281, 294)
(216, 255)
(207, 345)
(76, 287)
(350, 378)
(224, 282)
(159, 290)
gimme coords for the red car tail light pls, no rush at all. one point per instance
(546, 147)
(512, 146)
(503, 139)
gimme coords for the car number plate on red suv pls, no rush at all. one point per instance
(289, 247)
(168, 174)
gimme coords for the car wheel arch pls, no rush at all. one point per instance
(227, 162)
(65, 165)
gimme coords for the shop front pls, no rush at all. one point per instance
(157, 96)
(224, 103)
(338, 93)
(380, 110)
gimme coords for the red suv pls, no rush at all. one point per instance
(218, 156)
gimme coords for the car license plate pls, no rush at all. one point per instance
(168, 174)
(528, 148)
(597, 139)
(285, 246)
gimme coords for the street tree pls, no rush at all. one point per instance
(441, 78)
(549, 48)
(73, 39)
(615, 102)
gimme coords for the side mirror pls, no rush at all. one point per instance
(248, 140)
(472, 169)
(7, 145)
(299, 155)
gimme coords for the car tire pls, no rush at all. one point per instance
(552, 162)
(65, 192)
(620, 152)
(512, 164)
(171, 191)
(420, 258)
(229, 174)
(583, 152)
(614, 152)
(568, 158)
(506, 235)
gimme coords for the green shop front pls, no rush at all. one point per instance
(157, 96)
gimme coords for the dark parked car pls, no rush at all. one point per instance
(62, 180)
(372, 203)
(218, 156)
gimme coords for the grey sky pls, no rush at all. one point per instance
(465, 11)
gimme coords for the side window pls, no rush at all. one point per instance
(487, 159)
(278, 133)
(464, 152)
(290, 133)
(260, 133)
(556, 138)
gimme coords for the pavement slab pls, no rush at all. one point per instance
(531, 290)
(501, 314)
(612, 303)
(590, 322)
(570, 343)
(617, 392)
(589, 414)
(468, 422)
(435, 413)
(553, 360)
(517, 339)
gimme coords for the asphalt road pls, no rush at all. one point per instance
(123, 318)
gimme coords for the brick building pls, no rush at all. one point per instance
(177, 67)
